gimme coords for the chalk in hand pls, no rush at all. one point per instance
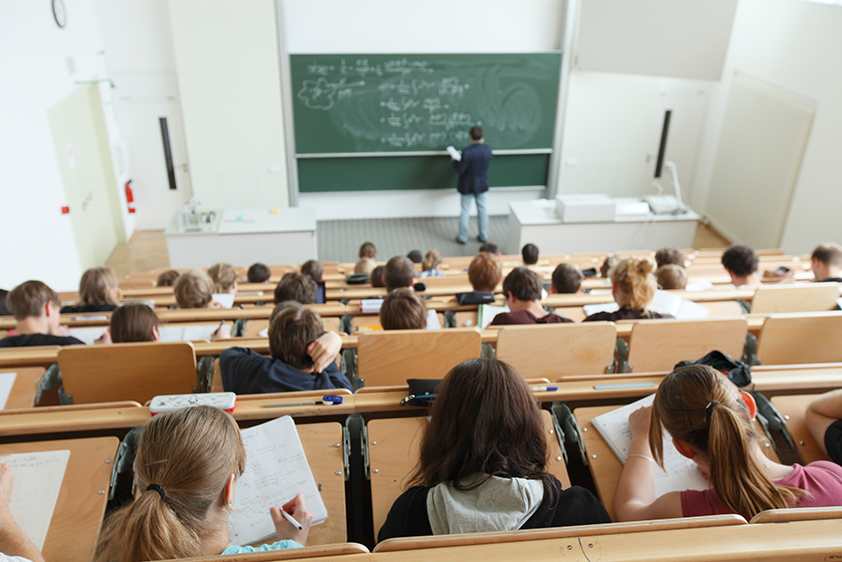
(455, 154)
(292, 521)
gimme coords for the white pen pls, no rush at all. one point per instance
(289, 518)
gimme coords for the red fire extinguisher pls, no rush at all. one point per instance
(130, 197)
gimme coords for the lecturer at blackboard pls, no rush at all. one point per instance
(473, 184)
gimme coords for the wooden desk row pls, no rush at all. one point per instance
(380, 401)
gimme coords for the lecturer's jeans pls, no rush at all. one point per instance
(482, 215)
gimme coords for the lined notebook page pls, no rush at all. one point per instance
(276, 470)
(37, 483)
(680, 473)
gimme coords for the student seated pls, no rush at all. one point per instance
(297, 287)
(36, 310)
(482, 464)
(15, 546)
(99, 291)
(485, 272)
(4, 307)
(185, 492)
(303, 357)
(740, 261)
(134, 322)
(491, 249)
(827, 263)
(529, 253)
(415, 256)
(313, 269)
(377, 276)
(671, 277)
(194, 289)
(670, 256)
(365, 265)
(633, 287)
(402, 309)
(607, 264)
(522, 288)
(431, 266)
(824, 420)
(367, 250)
(567, 279)
(399, 272)
(167, 278)
(710, 422)
(258, 273)
(224, 278)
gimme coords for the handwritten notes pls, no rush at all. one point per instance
(680, 473)
(7, 381)
(37, 482)
(276, 470)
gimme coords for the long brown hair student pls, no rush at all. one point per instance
(186, 468)
(483, 462)
(710, 422)
(99, 291)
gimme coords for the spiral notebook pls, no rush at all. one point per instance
(680, 472)
(276, 471)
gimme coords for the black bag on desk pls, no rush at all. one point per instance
(357, 278)
(475, 297)
(738, 372)
(422, 392)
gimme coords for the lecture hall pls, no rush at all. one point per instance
(276, 273)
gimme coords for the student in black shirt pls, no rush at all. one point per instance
(633, 286)
(99, 291)
(36, 309)
(827, 263)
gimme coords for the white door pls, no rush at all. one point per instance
(142, 102)
(82, 151)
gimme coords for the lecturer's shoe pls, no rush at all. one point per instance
(460, 241)
(482, 240)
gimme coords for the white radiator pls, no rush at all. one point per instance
(763, 137)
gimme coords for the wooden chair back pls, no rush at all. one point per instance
(390, 358)
(128, 371)
(657, 345)
(818, 297)
(794, 410)
(393, 453)
(322, 443)
(558, 349)
(797, 514)
(800, 338)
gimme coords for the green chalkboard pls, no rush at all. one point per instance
(411, 103)
(412, 172)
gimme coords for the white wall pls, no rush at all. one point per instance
(226, 54)
(795, 46)
(38, 240)
(404, 26)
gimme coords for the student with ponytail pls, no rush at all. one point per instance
(633, 286)
(710, 422)
(186, 469)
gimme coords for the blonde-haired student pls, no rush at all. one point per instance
(431, 266)
(186, 471)
(99, 291)
(194, 289)
(710, 422)
(224, 278)
(633, 286)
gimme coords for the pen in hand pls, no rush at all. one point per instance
(292, 521)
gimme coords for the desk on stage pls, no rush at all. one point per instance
(538, 223)
(245, 236)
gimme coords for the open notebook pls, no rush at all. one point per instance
(681, 473)
(37, 483)
(276, 471)
(664, 303)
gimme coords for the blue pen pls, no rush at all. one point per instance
(221, 324)
(544, 388)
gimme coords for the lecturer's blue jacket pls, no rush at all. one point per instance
(473, 169)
